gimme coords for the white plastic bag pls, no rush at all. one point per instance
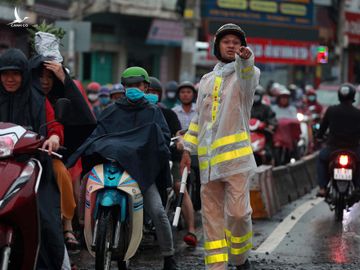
(47, 45)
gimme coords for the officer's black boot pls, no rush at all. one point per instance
(245, 266)
(169, 263)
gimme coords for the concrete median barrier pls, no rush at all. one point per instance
(263, 198)
(310, 166)
(300, 177)
(285, 187)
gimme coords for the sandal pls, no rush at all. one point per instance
(71, 243)
(190, 239)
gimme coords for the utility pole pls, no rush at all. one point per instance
(191, 23)
(342, 41)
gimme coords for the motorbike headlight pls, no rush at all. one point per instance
(19, 182)
(300, 117)
(7, 143)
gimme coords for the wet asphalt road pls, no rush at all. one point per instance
(316, 241)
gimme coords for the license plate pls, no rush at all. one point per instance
(343, 174)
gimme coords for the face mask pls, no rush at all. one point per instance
(104, 100)
(171, 95)
(152, 98)
(311, 98)
(134, 94)
(92, 97)
(257, 98)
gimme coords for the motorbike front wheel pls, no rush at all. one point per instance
(104, 240)
(339, 207)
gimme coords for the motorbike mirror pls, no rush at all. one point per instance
(62, 107)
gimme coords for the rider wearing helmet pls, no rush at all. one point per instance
(117, 91)
(283, 108)
(175, 126)
(186, 110)
(136, 110)
(343, 122)
(312, 106)
(261, 111)
(170, 94)
(104, 101)
(92, 91)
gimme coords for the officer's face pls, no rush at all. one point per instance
(229, 45)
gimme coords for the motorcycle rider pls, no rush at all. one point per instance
(117, 91)
(219, 132)
(261, 111)
(50, 78)
(283, 108)
(131, 113)
(343, 122)
(92, 90)
(170, 94)
(265, 114)
(22, 105)
(312, 106)
(185, 112)
(104, 101)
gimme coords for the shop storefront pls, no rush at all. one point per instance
(281, 33)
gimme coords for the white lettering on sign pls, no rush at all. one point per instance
(352, 27)
(281, 51)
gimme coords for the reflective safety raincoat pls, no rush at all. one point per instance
(219, 131)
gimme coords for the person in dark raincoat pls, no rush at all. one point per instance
(22, 105)
(133, 132)
(50, 78)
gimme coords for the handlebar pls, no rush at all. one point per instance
(52, 153)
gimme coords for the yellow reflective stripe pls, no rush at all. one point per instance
(243, 136)
(194, 127)
(191, 139)
(241, 152)
(238, 251)
(247, 69)
(215, 98)
(241, 239)
(215, 244)
(203, 165)
(238, 239)
(202, 150)
(216, 258)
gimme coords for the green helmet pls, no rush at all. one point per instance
(134, 75)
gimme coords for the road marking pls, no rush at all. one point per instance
(284, 227)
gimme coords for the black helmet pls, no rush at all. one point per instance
(228, 28)
(155, 84)
(346, 92)
(186, 84)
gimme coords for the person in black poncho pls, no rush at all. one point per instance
(134, 132)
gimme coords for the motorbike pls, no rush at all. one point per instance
(113, 215)
(305, 140)
(258, 140)
(286, 138)
(340, 190)
(19, 214)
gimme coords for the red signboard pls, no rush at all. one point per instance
(352, 27)
(283, 51)
(289, 52)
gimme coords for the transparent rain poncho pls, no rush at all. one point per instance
(219, 132)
